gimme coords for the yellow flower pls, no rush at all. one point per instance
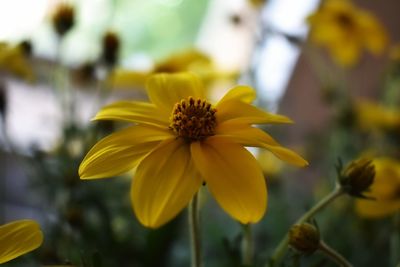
(181, 141)
(191, 60)
(385, 190)
(18, 238)
(346, 30)
(12, 59)
(395, 53)
(373, 116)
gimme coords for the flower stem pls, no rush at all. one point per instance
(281, 248)
(333, 255)
(194, 226)
(395, 241)
(247, 245)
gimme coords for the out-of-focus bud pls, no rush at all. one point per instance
(236, 19)
(305, 238)
(63, 18)
(74, 217)
(357, 177)
(110, 51)
(26, 47)
(86, 73)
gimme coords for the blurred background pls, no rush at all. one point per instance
(61, 61)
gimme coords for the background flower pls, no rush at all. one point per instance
(346, 31)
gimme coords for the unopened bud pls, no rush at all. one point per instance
(111, 44)
(357, 177)
(63, 18)
(26, 47)
(304, 237)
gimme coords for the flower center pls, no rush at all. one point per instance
(193, 119)
(345, 21)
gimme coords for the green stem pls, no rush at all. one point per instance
(247, 245)
(281, 248)
(194, 226)
(395, 241)
(333, 255)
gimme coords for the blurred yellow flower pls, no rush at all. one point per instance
(13, 60)
(395, 53)
(373, 116)
(191, 60)
(385, 190)
(18, 238)
(346, 30)
(270, 165)
(257, 3)
(181, 140)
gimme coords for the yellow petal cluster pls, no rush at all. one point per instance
(171, 167)
(18, 238)
(385, 190)
(346, 31)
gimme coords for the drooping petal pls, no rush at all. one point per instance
(121, 151)
(241, 112)
(251, 136)
(18, 238)
(164, 183)
(165, 90)
(233, 176)
(134, 111)
(241, 93)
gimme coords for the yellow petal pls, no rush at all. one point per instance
(233, 176)
(165, 90)
(121, 151)
(134, 111)
(250, 136)
(376, 209)
(287, 155)
(241, 112)
(241, 93)
(244, 134)
(164, 183)
(18, 238)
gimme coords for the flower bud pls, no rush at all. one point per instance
(304, 237)
(357, 177)
(26, 47)
(63, 19)
(111, 44)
